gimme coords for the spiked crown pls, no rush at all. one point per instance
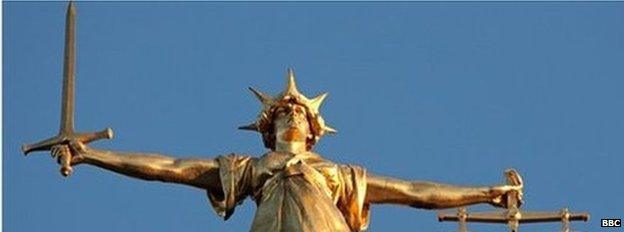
(264, 122)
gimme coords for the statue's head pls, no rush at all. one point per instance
(289, 117)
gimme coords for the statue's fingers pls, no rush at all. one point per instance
(61, 151)
(508, 188)
(54, 151)
(498, 202)
(76, 159)
(77, 146)
(58, 151)
(501, 190)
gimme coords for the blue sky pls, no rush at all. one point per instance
(451, 92)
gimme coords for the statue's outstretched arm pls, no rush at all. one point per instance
(201, 173)
(430, 195)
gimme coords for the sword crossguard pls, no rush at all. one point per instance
(64, 139)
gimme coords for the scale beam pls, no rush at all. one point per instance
(501, 216)
(513, 217)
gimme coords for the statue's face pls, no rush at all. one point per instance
(291, 123)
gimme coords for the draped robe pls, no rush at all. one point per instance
(302, 192)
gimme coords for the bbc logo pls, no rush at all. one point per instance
(611, 223)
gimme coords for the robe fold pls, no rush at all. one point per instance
(301, 192)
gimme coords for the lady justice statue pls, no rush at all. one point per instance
(294, 188)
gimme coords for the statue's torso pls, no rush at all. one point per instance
(296, 192)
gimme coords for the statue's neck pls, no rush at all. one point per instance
(294, 147)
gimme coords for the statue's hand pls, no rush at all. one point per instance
(498, 195)
(68, 155)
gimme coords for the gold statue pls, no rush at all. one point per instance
(295, 188)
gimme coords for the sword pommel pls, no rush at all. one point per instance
(65, 161)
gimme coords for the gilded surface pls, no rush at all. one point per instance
(294, 192)
(295, 189)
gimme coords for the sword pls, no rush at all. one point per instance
(66, 133)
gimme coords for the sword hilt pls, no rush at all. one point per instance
(47, 144)
(67, 134)
(65, 139)
(65, 162)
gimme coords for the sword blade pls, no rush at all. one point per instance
(67, 102)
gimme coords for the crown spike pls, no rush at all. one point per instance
(329, 130)
(291, 86)
(264, 98)
(316, 102)
(251, 127)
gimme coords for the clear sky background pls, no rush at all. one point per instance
(451, 92)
